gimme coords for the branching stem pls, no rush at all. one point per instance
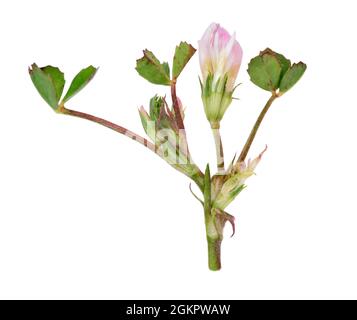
(197, 177)
(126, 132)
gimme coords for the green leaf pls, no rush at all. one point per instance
(150, 68)
(292, 76)
(284, 63)
(166, 67)
(80, 81)
(48, 82)
(58, 79)
(265, 70)
(183, 54)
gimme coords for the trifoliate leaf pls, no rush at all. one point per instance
(183, 54)
(292, 76)
(49, 82)
(80, 81)
(150, 68)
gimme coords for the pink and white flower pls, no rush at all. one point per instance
(220, 54)
(220, 58)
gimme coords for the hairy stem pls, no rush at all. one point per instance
(251, 137)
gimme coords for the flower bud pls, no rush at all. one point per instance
(220, 58)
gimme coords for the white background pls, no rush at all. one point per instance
(87, 213)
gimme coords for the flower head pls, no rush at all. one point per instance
(220, 58)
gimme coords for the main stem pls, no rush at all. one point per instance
(251, 137)
(213, 238)
(214, 254)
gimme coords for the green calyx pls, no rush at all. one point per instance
(271, 71)
(216, 99)
(160, 114)
(160, 124)
(156, 104)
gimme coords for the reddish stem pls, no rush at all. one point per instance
(112, 126)
(176, 107)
